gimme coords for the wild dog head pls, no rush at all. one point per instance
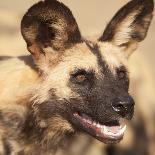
(84, 84)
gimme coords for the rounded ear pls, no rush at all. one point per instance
(49, 23)
(130, 25)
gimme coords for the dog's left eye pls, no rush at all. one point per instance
(121, 74)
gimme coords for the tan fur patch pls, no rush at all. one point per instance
(112, 55)
(16, 80)
(58, 76)
(124, 29)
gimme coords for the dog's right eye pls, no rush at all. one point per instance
(81, 77)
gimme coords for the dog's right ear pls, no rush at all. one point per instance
(49, 23)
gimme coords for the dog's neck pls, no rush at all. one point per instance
(43, 137)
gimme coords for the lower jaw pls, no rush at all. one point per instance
(105, 139)
(108, 140)
(96, 132)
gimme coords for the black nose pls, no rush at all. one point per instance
(124, 106)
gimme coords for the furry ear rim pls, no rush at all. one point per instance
(130, 25)
(49, 23)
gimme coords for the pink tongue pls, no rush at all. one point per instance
(113, 129)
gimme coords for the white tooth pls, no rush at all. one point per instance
(102, 130)
(123, 129)
(94, 123)
(105, 129)
(98, 125)
(101, 126)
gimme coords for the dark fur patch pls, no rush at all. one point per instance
(28, 60)
(7, 147)
(5, 58)
(95, 50)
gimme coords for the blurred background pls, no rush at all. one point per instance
(92, 17)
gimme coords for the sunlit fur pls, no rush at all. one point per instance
(36, 96)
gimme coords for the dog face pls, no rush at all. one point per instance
(84, 83)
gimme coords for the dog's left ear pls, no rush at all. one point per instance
(130, 25)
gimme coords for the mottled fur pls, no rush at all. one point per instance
(37, 100)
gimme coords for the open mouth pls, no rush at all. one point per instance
(109, 132)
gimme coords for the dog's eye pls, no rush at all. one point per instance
(121, 74)
(81, 78)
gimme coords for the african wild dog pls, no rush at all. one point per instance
(74, 84)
